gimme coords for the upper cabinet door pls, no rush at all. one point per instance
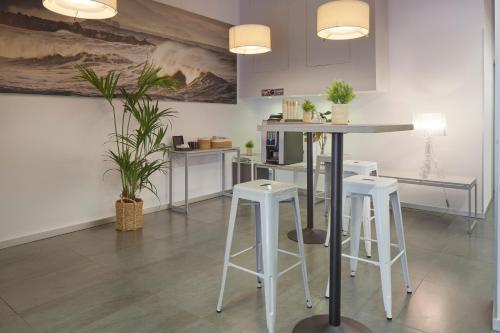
(302, 63)
(275, 14)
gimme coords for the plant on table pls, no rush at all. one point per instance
(138, 139)
(309, 110)
(249, 146)
(340, 93)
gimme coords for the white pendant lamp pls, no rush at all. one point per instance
(84, 9)
(250, 39)
(343, 19)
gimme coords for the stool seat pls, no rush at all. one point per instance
(360, 167)
(367, 184)
(265, 186)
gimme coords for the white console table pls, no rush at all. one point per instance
(187, 155)
(453, 182)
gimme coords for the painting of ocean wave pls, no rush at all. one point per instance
(40, 49)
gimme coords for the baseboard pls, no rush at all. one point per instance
(66, 230)
(443, 210)
(496, 324)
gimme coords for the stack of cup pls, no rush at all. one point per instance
(291, 110)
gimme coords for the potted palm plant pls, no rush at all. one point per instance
(139, 131)
(309, 109)
(249, 146)
(340, 93)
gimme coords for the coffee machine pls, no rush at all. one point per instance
(282, 148)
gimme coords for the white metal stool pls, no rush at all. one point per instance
(350, 167)
(381, 190)
(267, 194)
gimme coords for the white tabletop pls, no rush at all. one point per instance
(448, 179)
(203, 151)
(329, 128)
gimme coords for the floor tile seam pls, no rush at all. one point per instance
(17, 313)
(479, 260)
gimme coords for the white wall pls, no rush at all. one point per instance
(496, 173)
(433, 67)
(488, 100)
(51, 153)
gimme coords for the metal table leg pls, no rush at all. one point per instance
(170, 200)
(472, 219)
(333, 322)
(311, 235)
(258, 243)
(186, 183)
(222, 173)
(238, 168)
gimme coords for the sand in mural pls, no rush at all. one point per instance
(40, 49)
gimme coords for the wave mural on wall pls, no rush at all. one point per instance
(40, 49)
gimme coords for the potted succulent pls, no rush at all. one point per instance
(139, 131)
(249, 146)
(309, 109)
(340, 93)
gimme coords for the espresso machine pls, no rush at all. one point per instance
(282, 148)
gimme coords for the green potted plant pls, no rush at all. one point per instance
(249, 146)
(340, 93)
(139, 131)
(309, 109)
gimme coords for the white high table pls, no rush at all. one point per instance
(332, 322)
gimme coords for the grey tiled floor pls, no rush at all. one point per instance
(166, 278)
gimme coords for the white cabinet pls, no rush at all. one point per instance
(304, 64)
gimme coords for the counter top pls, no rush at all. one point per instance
(329, 128)
(203, 151)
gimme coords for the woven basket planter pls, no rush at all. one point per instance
(128, 214)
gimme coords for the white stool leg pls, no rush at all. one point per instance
(258, 243)
(356, 220)
(229, 241)
(398, 219)
(327, 292)
(382, 225)
(367, 229)
(328, 227)
(316, 178)
(300, 241)
(345, 217)
(327, 190)
(269, 214)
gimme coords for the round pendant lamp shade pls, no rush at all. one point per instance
(250, 39)
(343, 19)
(84, 9)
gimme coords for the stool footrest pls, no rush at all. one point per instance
(260, 275)
(376, 263)
(246, 270)
(243, 251)
(289, 253)
(289, 268)
(371, 240)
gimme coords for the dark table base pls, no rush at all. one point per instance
(311, 236)
(319, 324)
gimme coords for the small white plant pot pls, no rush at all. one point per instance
(307, 117)
(249, 151)
(340, 114)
